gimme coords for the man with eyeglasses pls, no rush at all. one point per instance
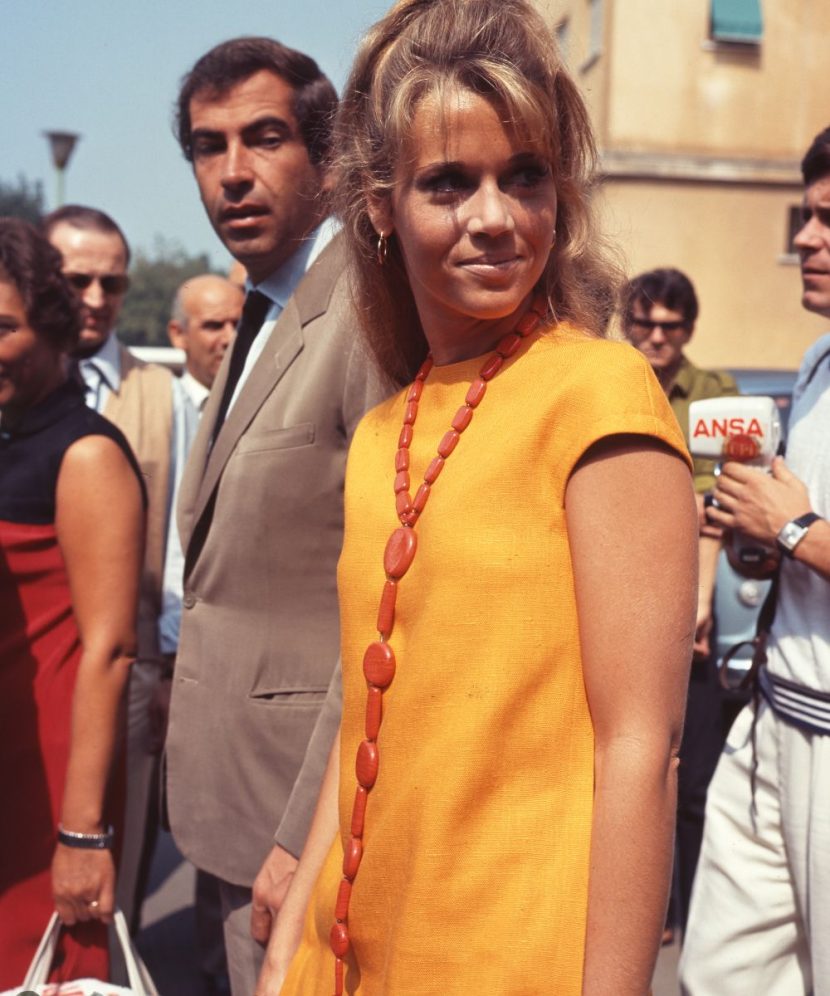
(146, 403)
(660, 308)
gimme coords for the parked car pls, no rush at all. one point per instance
(738, 600)
(165, 356)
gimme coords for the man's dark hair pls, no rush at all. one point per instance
(816, 163)
(666, 286)
(30, 262)
(232, 62)
(86, 218)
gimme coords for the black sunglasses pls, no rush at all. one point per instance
(112, 283)
(646, 324)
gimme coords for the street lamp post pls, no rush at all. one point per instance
(62, 144)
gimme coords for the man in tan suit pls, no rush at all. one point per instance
(260, 513)
(144, 402)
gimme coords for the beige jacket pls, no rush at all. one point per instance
(142, 408)
(261, 520)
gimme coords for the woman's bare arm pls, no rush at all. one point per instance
(633, 533)
(287, 932)
(100, 528)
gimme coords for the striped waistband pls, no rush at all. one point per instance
(805, 707)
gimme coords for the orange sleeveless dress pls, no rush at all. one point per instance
(474, 877)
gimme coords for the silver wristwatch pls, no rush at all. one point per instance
(793, 532)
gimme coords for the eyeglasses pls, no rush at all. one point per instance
(647, 325)
(112, 283)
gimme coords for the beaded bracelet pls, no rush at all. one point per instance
(89, 841)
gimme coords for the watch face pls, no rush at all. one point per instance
(790, 534)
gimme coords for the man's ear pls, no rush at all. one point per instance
(176, 334)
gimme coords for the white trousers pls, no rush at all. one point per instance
(759, 923)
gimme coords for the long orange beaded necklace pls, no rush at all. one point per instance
(379, 660)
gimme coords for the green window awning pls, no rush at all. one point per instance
(737, 21)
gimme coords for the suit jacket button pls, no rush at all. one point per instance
(189, 600)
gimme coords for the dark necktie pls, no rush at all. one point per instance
(253, 315)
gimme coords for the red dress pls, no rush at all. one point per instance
(40, 651)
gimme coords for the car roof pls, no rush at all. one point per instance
(764, 381)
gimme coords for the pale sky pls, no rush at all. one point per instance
(110, 69)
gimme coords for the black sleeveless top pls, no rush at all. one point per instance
(32, 449)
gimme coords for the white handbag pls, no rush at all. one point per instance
(35, 984)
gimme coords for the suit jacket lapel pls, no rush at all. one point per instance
(310, 299)
(194, 471)
(284, 343)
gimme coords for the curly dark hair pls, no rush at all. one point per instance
(666, 286)
(816, 162)
(234, 61)
(33, 265)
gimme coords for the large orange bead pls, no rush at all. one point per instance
(379, 665)
(405, 438)
(339, 940)
(344, 894)
(527, 323)
(426, 366)
(402, 460)
(403, 502)
(410, 413)
(367, 763)
(491, 367)
(339, 976)
(361, 797)
(386, 612)
(475, 392)
(374, 713)
(415, 390)
(351, 858)
(401, 481)
(509, 344)
(399, 552)
(448, 443)
(420, 499)
(433, 470)
(462, 419)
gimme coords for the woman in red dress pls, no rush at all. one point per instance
(71, 536)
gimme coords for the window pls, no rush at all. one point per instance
(563, 39)
(737, 21)
(596, 17)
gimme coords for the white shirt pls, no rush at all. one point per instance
(101, 373)
(279, 287)
(195, 391)
(800, 645)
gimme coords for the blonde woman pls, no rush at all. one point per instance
(518, 575)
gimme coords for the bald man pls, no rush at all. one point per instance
(206, 311)
(204, 316)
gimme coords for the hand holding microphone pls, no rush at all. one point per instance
(743, 434)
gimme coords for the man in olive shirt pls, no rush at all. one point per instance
(659, 313)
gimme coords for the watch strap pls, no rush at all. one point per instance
(803, 523)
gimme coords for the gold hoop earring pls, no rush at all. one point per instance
(382, 249)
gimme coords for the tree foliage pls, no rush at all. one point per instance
(154, 279)
(21, 199)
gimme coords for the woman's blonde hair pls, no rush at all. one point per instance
(502, 50)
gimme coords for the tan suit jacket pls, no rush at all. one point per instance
(261, 519)
(142, 408)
